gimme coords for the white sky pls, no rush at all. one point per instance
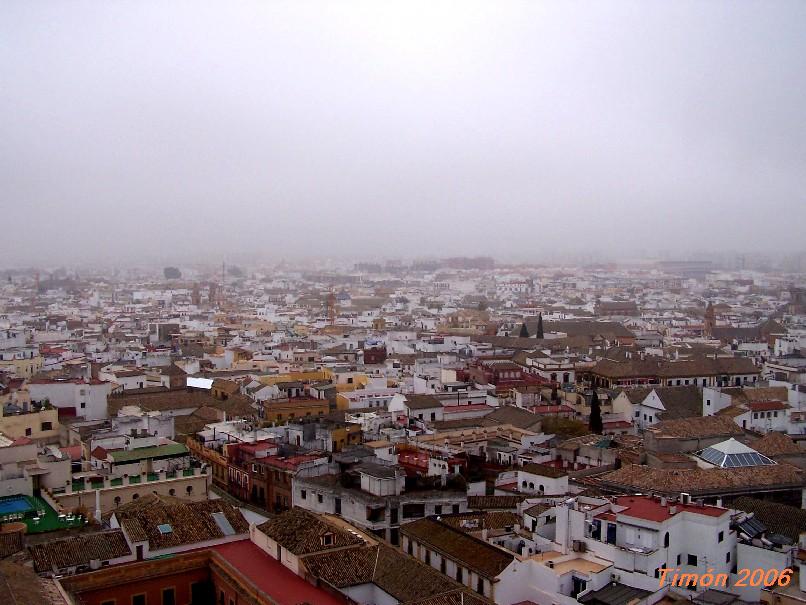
(181, 130)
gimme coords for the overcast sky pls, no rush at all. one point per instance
(175, 130)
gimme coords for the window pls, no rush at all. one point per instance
(168, 596)
(480, 585)
(678, 559)
(727, 557)
(327, 539)
(319, 498)
(172, 492)
(138, 599)
(637, 413)
(303, 494)
(189, 489)
(117, 500)
(413, 511)
(428, 557)
(755, 415)
(692, 560)
(112, 602)
(28, 432)
(458, 574)
(721, 536)
(83, 404)
(135, 496)
(707, 402)
(666, 540)
(48, 426)
(438, 509)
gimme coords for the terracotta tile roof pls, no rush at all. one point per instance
(783, 519)
(301, 533)
(766, 406)
(537, 509)
(19, 585)
(405, 578)
(747, 395)
(476, 521)
(422, 402)
(79, 550)
(494, 502)
(484, 558)
(705, 426)
(510, 414)
(456, 597)
(10, 543)
(544, 470)
(236, 406)
(664, 368)
(639, 478)
(190, 522)
(776, 444)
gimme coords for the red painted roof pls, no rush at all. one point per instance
(74, 451)
(272, 577)
(650, 509)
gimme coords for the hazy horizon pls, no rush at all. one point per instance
(190, 131)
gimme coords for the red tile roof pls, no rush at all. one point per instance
(764, 406)
(650, 509)
(272, 577)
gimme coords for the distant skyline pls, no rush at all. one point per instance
(180, 132)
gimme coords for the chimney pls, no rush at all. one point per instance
(673, 510)
(663, 500)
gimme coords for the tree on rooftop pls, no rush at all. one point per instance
(171, 273)
(540, 326)
(524, 332)
(595, 422)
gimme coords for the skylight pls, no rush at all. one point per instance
(733, 454)
(223, 524)
(165, 528)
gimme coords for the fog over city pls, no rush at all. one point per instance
(181, 131)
